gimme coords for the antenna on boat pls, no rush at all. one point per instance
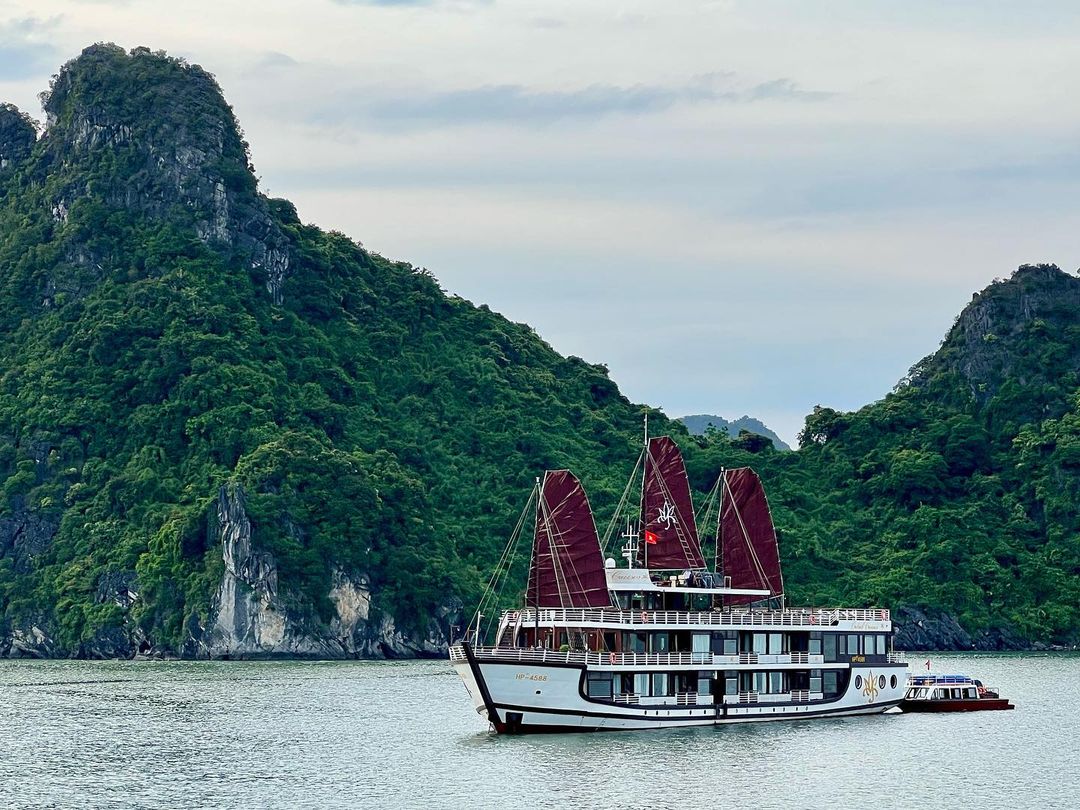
(629, 549)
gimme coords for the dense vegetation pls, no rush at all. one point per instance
(381, 426)
(958, 491)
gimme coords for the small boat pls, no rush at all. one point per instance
(950, 693)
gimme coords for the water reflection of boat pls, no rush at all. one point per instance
(951, 693)
(667, 640)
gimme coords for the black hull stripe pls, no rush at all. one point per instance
(702, 718)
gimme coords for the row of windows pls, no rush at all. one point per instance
(663, 684)
(831, 645)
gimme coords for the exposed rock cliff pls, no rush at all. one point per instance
(154, 136)
(252, 620)
(995, 340)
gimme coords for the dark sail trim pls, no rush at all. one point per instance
(567, 567)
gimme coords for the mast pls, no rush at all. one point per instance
(642, 518)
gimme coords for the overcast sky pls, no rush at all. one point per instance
(739, 207)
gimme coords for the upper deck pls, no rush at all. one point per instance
(838, 619)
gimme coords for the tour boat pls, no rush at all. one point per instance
(667, 640)
(951, 693)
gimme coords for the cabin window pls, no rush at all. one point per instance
(829, 646)
(814, 647)
(881, 645)
(700, 643)
(704, 683)
(970, 693)
(746, 681)
(660, 682)
(831, 681)
(776, 643)
(852, 645)
(633, 642)
(776, 683)
(731, 683)
(599, 685)
(761, 682)
(731, 646)
(759, 643)
(940, 694)
(641, 683)
(957, 694)
(815, 680)
(660, 642)
(868, 645)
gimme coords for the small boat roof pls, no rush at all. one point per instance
(927, 680)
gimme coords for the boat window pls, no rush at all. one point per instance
(829, 646)
(831, 681)
(761, 684)
(814, 647)
(660, 642)
(970, 693)
(731, 646)
(759, 643)
(641, 683)
(660, 683)
(868, 645)
(731, 684)
(841, 645)
(599, 685)
(815, 682)
(776, 643)
(881, 645)
(776, 683)
(852, 645)
(957, 694)
(704, 683)
(700, 643)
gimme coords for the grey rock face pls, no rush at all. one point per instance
(180, 148)
(251, 619)
(25, 534)
(917, 629)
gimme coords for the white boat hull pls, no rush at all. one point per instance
(531, 697)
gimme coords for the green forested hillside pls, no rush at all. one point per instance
(170, 337)
(958, 492)
(377, 424)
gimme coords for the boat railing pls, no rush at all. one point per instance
(794, 696)
(896, 658)
(633, 659)
(810, 617)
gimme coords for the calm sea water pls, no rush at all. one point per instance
(358, 734)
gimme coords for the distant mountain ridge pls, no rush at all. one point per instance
(699, 423)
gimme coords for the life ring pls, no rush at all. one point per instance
(644, 616)
(611, 658)
(813, 619)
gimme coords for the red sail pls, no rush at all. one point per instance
(567, 568)
(747, 540)
(667, 510)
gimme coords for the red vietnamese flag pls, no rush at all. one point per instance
(650, 538)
